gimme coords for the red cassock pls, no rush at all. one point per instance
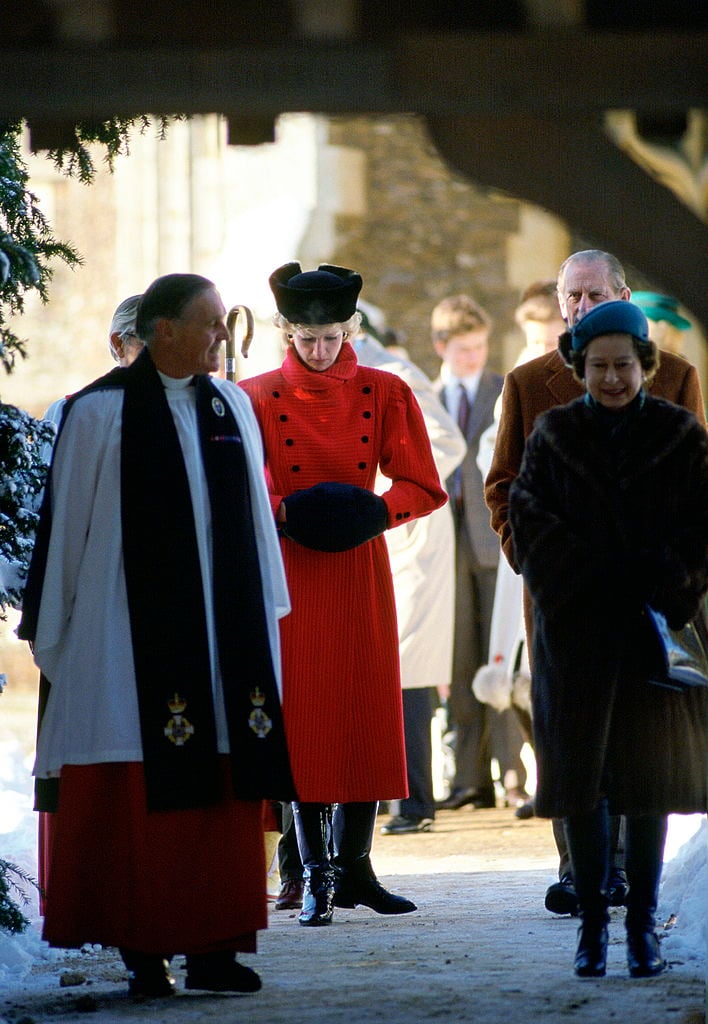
(158, 882)
(341, 679)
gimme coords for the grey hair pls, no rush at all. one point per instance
(123, 322)
(613, 265)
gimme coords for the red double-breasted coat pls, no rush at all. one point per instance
(341, 680)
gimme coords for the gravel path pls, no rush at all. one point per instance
(481, 949)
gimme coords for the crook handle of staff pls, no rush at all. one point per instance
(246, 339)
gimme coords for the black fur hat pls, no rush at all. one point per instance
(327, 295)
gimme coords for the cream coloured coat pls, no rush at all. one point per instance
(422, 552)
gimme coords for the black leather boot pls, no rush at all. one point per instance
(355, 881)
(313, 831)
(644, 856)
(149, 975)
(591, 951)
(588, 838)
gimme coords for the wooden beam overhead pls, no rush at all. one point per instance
(544, 73)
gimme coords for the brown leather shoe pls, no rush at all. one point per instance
(290, 895)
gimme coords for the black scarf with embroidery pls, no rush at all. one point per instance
(166, 603)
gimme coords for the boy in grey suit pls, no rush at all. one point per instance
(469, 391)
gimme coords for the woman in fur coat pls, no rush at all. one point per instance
(610, 513)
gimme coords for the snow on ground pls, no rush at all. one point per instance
(684, 890)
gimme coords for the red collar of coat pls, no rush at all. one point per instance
(300, 376)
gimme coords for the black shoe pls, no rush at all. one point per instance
(561, 897)
(403, 824)
(591, 954)
(220, 972)
(524, 811)
(290, 895)
(644, 957)
(149, 975)
(149, 986)
(370, 893)
(618, 889)
(462, 797)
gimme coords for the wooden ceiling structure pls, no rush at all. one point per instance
(520, 111)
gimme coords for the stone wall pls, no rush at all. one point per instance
(371, 193)
(425, 233)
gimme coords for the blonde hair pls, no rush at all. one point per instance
(348, 327)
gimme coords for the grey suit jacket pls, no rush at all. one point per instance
(485, 542)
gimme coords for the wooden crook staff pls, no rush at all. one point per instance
(246, 340)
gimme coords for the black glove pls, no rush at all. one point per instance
(334, 517)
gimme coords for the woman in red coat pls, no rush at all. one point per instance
(328, 426)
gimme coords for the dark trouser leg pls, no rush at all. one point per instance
(564, 867)
(617, 885)
(523, 717)
(313, 830)
(505, 743)
(560, 896)
(355, 881)
(474, 602)
(588, 837)
(289, 862)
(645, 840)
(617, 843)
(417, 714)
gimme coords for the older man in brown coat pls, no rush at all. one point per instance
(585, 280)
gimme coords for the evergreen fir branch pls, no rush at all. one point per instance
(75, 160)
(27, 246)
(23, 442)
(14, 880)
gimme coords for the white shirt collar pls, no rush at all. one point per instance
(452, 383)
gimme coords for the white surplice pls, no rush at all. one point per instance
(83, 642)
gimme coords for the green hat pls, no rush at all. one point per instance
(661, 307)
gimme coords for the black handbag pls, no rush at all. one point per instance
(682, 662)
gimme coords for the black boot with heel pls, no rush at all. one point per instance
(356, 883)
(591, 952)
(588, 837)
(313, 831)
(644, 856)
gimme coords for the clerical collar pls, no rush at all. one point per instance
(175, 383)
